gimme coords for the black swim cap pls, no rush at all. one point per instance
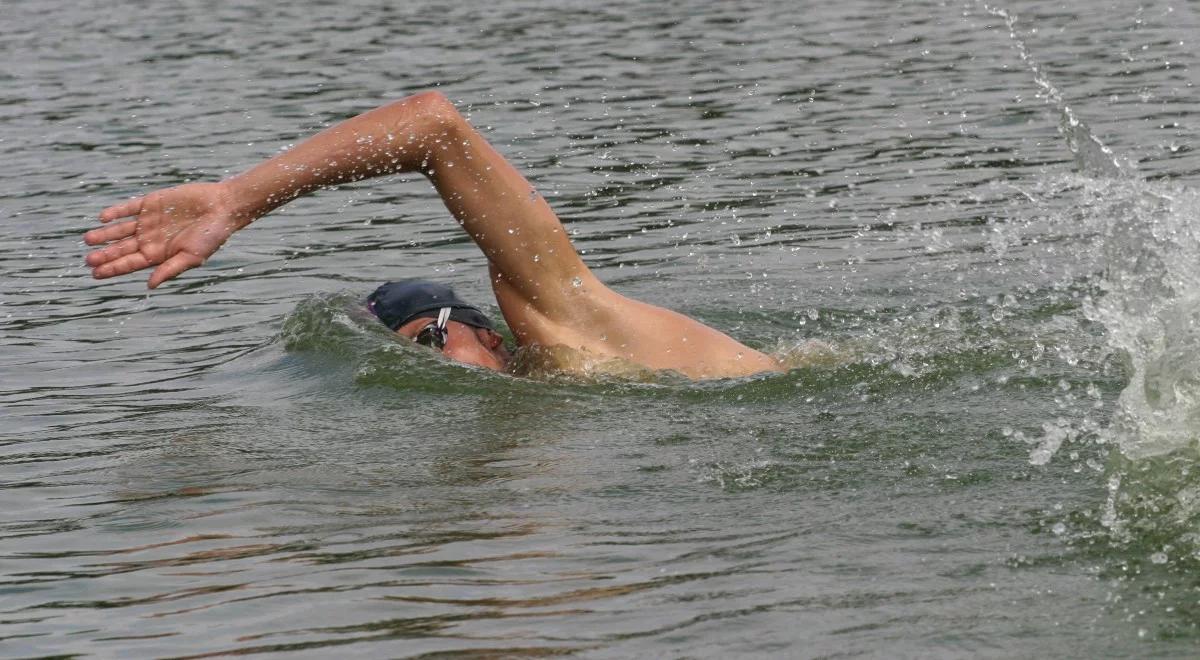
(397, 303)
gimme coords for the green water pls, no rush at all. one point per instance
(975, 238)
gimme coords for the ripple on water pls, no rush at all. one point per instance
(241, 463)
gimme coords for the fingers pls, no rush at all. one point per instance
(123, 210)
(123, 257)
(110, 233)
(114, 251)
(121, 265)
(171, 267)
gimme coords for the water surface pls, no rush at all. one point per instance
(1000, 461)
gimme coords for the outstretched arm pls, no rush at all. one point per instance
(178, 228)
(547, 294)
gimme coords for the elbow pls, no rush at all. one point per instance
(426, 125)
(431, 98)
(432, 124)
(438, 111)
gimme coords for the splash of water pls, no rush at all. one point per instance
(1151, 309)
(1149, 252)
(1144, 242)
(1091, 154)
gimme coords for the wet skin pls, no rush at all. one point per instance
(547, 294)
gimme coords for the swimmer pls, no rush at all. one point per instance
(547, 295)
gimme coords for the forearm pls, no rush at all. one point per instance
(499, 209)
(177, 228)
(398, 137)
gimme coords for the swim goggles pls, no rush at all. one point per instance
(434, 334)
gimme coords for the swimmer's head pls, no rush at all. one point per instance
(411, 308)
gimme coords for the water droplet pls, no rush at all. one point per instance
(576, 282)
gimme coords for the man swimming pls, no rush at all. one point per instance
(547, 295)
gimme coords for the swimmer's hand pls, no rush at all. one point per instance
(175, 229)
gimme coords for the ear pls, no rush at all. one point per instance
(491, 338)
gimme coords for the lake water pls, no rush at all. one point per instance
(977, 223)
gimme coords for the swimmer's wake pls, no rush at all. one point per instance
(1146, 245)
